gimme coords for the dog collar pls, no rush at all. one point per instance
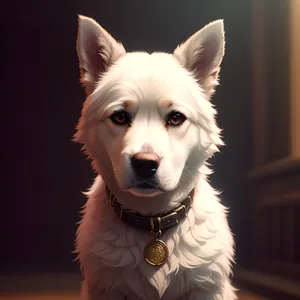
(154, 224)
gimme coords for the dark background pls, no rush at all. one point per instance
(43, 171)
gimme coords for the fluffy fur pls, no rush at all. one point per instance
(149, 87)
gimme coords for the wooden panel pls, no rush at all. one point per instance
(276, 207)
(271, 83)
(297, 235)
(272, 286)
(295, 76)
(288, 230)
(259, 82)
(277, 66)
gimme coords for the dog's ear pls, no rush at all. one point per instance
(96, 50)
(202, 54)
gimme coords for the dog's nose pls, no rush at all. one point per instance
(145, 164)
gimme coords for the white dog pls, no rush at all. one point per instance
(153, 227)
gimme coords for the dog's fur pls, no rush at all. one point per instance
(149, 86)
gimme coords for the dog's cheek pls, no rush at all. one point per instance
(114, 144)
(182, 149)
(169, 172)
(114, 149)
(123, 173)
(181, 145)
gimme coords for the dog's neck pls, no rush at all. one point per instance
(160, 204)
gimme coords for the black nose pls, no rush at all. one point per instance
(145, 164)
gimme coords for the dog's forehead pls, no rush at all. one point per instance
(153, 77)
(151, 67)
(138, 78)
(151, 59)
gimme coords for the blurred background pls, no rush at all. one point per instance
(44, 173)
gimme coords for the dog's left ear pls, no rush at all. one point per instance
(96, 50)
(202, 54)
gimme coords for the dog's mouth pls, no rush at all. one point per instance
(145, 189)
(145, 185)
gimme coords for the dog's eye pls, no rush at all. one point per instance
(175, 119)
(120, 118)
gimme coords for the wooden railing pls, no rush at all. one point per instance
(275, 201)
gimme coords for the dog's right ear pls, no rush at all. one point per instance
(96, 50)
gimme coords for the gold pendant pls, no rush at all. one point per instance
(156, 252)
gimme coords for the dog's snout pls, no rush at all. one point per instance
(145, 164)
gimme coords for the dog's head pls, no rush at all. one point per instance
(147, 123)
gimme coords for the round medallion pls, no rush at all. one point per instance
(156, 253)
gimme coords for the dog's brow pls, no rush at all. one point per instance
(167, 103)
(129, 103)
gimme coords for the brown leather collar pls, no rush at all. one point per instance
(154, 224)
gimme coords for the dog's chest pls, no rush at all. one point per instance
(148, 283)
(113, 257)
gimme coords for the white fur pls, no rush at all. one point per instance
(149, 86)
